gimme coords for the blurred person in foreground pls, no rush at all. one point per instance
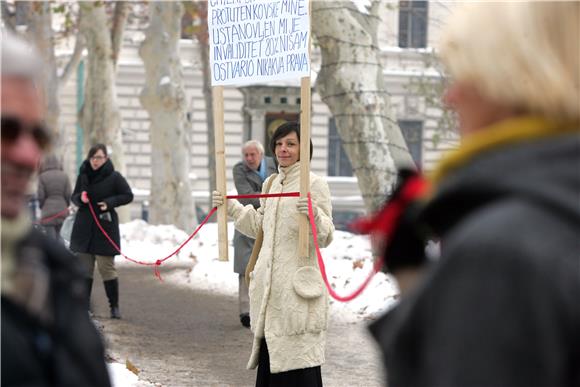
(48, 338)
(54, 192)
(249, 176)
(501, 307)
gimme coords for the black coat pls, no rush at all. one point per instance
(502, 305)
(104, 185)
(67, 352)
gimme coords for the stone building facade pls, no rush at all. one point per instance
(406, 36)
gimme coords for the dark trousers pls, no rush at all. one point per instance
(306, 377)
(54, 232)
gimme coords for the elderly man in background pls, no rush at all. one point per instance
(249, 175)
(48, 338)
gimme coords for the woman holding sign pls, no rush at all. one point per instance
(288, 300)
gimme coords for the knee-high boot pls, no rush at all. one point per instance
(112, 290)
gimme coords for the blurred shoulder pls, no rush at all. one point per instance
(511, 232)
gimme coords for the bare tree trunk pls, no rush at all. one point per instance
(8, 17)
(203, 43)
(119, 22)
(41, 33)
(351, 83)
(100, 114)
(37, 16)
(164, 98)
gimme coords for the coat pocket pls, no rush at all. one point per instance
(307, 282)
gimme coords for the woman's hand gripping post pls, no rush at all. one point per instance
(217, 199)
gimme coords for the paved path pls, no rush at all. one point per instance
(181, 337)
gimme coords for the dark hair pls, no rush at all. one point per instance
(95, 148)
(284, 130)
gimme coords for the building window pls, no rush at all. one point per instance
(338, 162)
(413, 134)
(413, 24)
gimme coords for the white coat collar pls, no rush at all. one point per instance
(289, 172)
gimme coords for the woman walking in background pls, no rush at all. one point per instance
(288, 301)
(106, 189)
(53, 195)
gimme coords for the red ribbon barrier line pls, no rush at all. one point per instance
(384, 222)
(274, 195)
(376, 266)
(158, 262)
(49, 218)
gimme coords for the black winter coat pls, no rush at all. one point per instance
(502, 305)
(67, 352)
(103, 185)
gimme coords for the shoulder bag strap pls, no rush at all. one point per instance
(259, 239)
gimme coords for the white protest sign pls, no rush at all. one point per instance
(256, 41)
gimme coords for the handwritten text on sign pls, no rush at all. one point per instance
(258, 40)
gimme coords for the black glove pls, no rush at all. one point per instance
(405, 247)
(397, 224)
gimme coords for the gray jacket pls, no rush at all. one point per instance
(54, 190)
(247, 182)
(501, 307)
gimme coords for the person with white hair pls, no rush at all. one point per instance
(249, 175)
(501, 305)
(48, 338)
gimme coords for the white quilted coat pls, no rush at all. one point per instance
(288, 300)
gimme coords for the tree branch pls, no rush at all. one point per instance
(73, 61)
(119, 21)
(8, 17)
(374, 9)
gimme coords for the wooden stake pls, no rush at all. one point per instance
(303, 225)
(220, 165)
(305, 96)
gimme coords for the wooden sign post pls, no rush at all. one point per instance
(259, 42)
(220, 168)
(305, 97)
(303, 226)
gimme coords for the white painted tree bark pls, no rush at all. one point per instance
(37, 17)
(41, 33)
(164, 98)
(202, 35)
(100, 115)
(351, 83)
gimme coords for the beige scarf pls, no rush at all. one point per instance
(12, 230)
(25, 278)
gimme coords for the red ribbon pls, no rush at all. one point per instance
(274, 195)
(60, 214)
(376, 267)
(384, 221)
(158, 262)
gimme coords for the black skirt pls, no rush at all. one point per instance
(305, 377)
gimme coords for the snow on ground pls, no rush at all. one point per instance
(122, 377)
(348, 262)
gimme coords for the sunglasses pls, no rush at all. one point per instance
(13, 128)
